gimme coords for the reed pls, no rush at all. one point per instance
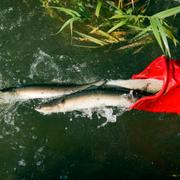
(108, 22)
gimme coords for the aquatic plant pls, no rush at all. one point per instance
(156, 25)
(108, 22)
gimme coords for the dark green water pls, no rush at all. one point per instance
(138, 145)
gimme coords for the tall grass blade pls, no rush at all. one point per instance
(98, 8)
(132, 1)
(120, 4)
(91, 39)
(71, 28)
(169, 33)
(156, 33)
(118, 16)
(167, 13)
(143, 33)
(66, 11)
(138, 28)
(68, 22)
(102, 33)
(112, 4)
(163, 37)
(118, 25)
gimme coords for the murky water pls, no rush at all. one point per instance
(77, 145)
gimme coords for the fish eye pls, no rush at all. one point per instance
(39, 107)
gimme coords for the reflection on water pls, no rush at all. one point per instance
(71, 146)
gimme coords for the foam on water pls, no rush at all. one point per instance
(59, 69)
(8, 114)
(108, 113)
(44, 66)
(8, 26)
(1, 81)
(11, 128)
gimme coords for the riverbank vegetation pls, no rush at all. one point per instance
(94, 23)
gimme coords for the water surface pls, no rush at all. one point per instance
(135, 145)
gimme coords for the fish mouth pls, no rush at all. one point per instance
(42, 110)
(39, 109)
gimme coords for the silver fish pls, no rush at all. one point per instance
(147, 85)
(87, 100)
(44, 91)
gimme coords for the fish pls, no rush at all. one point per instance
(147, 85)
(45, 91)
(89, 99)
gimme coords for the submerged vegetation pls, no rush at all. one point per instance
(120, 21)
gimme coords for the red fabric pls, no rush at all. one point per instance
(168, 98)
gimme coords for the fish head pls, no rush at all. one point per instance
(44, 109)
(49, 108)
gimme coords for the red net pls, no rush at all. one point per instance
(168, 98)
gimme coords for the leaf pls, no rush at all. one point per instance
(141, 34)
(132, 1)
(98, 8)
(120, 4)
(91, 39)
(167, 13)
(102, 33)
(121, 23)
(138, 28)
(163, 37)
(66, 10)
(68, 22)
(169, 33)
(118, 16)
(156, 33)
(112, 4)
(81, 46)
(71, 27)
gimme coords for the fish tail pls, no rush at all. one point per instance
(2, 97)
(5, 97)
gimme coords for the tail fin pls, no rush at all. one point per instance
(2, 97)
(5, 97)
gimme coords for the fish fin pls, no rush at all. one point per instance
(97, 84)
(63, 99)
(100, 83)
(4, 97)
